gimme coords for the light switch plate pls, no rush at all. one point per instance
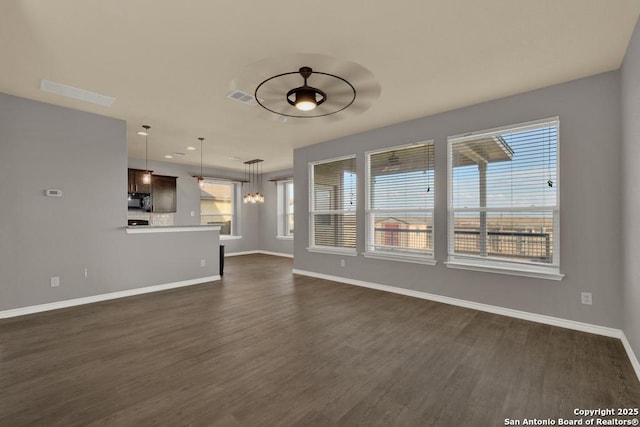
(52, 192)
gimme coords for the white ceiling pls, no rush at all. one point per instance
(170, 64)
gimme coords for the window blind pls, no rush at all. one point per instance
(333, 204)
(503, 201)
(400, 197)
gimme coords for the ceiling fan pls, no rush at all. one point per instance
(311, 86)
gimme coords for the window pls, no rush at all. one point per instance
(400, 195)
(332, 213)
(218, 204)
(285, 209)
(503, 200)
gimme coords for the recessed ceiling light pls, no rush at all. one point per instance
(168, 156)
(76, 93)
(191, 148)
(234, 158)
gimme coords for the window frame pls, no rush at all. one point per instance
(282, 209)
(234, 229)
(428, 259)
(491, 264)
(312, 212)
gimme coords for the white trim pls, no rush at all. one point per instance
(103, 297)
(284, 237)
(515, 270)
(334, 251)
(632, 356)
(241, 253)
(524, 315)
(227, 237)
(401, 258)
(139, 229)
(280, 254)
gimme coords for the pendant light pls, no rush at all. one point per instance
(252, 170)
(201, 178)
(146, 177)
(254, 196)
(260, 196)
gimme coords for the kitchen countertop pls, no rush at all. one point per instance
(137, 229)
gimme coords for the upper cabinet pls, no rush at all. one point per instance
(164, 195)
(135, 184)
(162, 190)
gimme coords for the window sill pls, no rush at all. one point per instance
(226, 237)
(284, 237)
(538, 273)
(334, 251)
(401, 258)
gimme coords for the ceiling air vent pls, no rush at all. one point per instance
(76, 93)
(243, 97)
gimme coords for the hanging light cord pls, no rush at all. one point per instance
(201, 140)
(146, 153)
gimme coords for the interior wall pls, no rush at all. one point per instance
(630, 93)
(188, 200)
(44, 146)
(590, 197)
(269, 240)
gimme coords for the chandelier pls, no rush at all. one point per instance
(253, 176)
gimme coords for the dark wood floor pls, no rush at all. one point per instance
(264, 347)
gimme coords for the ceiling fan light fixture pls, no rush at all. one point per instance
(306, 98)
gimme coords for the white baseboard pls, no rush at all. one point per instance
(241, 253)
(632, 356)
(533, 317)
(259, 252)
(281, 254)
(102, 297)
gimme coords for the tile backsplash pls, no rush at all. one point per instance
(161, 219)
(153, 218)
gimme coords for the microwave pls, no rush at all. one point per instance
(139, 202)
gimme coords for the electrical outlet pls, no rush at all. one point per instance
(203, 263)
(342, 263)
(193, 213)
(586, 298)
(86, 273)
(55, 282)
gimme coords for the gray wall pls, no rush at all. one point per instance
(268, 216)
(631, 189)
(189, 200)
(590, 233)
(84, 155)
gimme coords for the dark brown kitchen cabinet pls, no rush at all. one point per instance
(135, 182)
(163, 194)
